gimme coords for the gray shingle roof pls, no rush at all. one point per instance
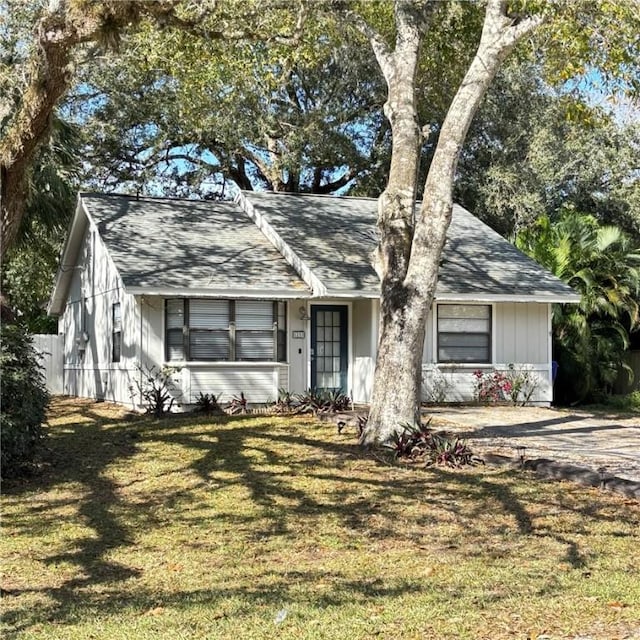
(165, 244)
(335, 236)
(178, 244)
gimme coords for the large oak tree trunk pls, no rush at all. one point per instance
(410, 251)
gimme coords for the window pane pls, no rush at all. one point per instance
(175, 344)
(254, 314)
(465, 340)
(282, 345)
(208, 314)
(462, 354)
(282, 315)
(464, 325)
(209, 345)
(117, 341)
(175, 314)
(254, 345)
(464, 311)
(464, 333)
(117, 317)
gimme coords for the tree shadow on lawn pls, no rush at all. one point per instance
(267, 461)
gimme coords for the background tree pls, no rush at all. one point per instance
(533, 150)
(189, 118)
(43, 45)
(30, 265)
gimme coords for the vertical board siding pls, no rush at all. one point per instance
(457, 384)
(50, 350)
(522, 333)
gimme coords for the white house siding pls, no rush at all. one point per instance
(298, 346)
(87, 328)
(50, 350)
(258, 382)
(521, 337)
(364, 328)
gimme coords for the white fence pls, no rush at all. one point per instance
(50, 348)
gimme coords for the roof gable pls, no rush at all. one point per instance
(336, 236)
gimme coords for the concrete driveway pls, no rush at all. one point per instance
(578, 438)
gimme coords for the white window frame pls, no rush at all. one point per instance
(492, 334)
(231, 330)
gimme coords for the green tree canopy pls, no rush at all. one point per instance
(603, 264)
(533, 151)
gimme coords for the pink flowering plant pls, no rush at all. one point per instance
(491, 387)
(515, 385)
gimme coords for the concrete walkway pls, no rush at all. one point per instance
(576, 438)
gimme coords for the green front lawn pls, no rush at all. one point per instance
(263, 527)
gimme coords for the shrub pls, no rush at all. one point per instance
(524, 382)
(419, 442)
(208, 403)
(157, 389)
(286, 403)
(24, 401)
(323, 401)
(238, 405)
(436, 389)
(515, 385)
(491, 386)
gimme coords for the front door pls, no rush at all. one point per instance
(329, 337)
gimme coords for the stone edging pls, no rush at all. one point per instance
(559, 471)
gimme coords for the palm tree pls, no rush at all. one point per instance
(603, 265)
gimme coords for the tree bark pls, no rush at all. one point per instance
(410, 252)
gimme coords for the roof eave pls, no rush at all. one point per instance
(560, 298)
(221, 292)
(68, 259)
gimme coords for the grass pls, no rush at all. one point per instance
(263, 527)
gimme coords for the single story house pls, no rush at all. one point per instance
(276, 291)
